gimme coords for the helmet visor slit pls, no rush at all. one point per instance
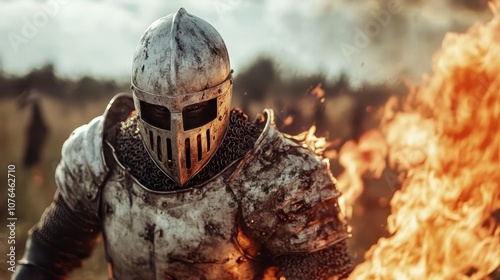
(208, 140)
(169, 154)
(158, 148)
(200, 151)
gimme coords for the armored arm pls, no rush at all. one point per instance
(291, 207)
(333, 261)
(67, 230)
(58, 243)
(323, 253)
(329, 261)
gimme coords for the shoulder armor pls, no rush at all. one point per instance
(83, 169)
(288, 195)
(118, 110)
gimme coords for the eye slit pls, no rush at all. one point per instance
(193, 107)
(155, 115)
(199, 114)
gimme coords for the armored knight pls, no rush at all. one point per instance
(181, 186)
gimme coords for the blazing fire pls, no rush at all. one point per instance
(365, 156)
(446, 139)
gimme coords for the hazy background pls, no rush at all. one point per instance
(307, 60)
(98, 37)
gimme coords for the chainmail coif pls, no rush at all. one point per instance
(130, 151)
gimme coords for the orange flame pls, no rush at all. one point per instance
(310, 140)
(448, 139)
(366, 156)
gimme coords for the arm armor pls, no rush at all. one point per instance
(58, 243)
(291, 206)
(69, 227)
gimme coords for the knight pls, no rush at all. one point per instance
(181, 186)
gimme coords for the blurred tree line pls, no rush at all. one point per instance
(45, 80)
(286, 93)
(260, 84)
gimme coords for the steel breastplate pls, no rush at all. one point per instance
(188, 234)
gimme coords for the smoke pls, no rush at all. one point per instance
(375, 41)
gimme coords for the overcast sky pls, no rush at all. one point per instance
(370, 40)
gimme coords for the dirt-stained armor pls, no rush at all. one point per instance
(268, 202)
(278, 199)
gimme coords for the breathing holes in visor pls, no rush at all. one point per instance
(188, 154)
(198, 141)
(151, 144)
(158, 147)
(208, 140)
(170, 164)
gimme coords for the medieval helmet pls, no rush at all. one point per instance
(182, 87)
